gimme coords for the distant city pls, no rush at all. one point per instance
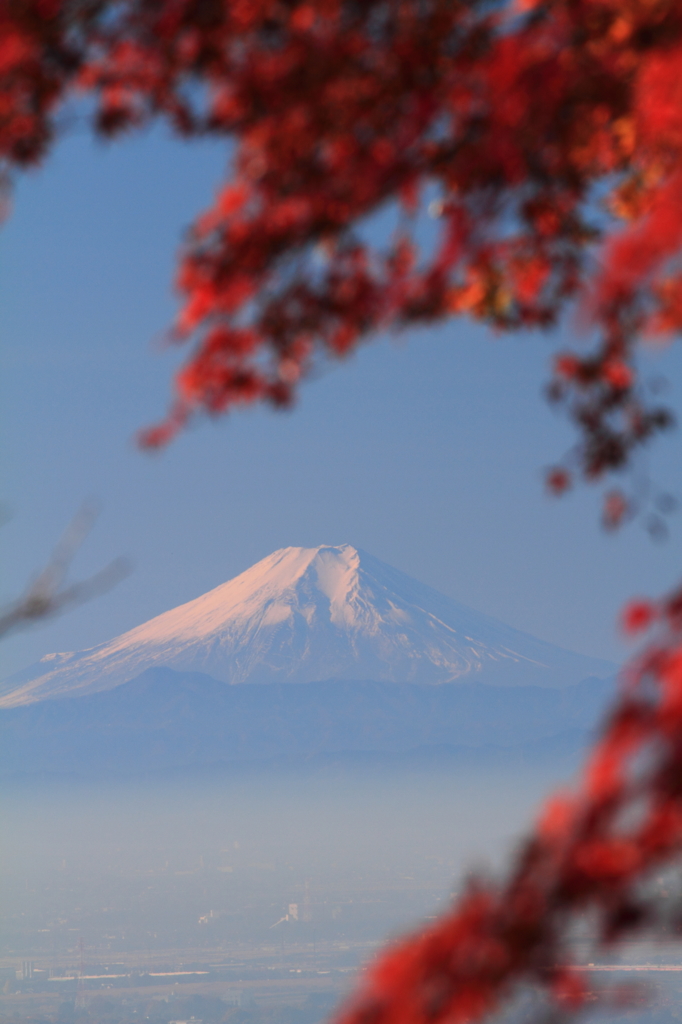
(210, 938)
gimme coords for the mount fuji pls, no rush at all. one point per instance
(305, 615)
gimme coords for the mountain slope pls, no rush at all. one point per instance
(309, 614)
(171, 720)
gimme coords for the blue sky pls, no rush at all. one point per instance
(426, 450)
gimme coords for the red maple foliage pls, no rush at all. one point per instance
(545, 134)
(545, 137)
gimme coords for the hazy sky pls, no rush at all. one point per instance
(427, 451)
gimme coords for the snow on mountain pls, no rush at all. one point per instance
(312, 614)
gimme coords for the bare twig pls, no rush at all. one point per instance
(46, 596)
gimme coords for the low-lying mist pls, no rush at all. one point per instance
(321, 851)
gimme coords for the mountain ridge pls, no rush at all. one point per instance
(170, 720)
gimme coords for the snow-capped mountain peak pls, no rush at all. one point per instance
(306, 615)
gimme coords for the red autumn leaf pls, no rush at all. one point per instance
(558, 480)
(569, 990)
(567, 366)
(618, 374)
(637, 616)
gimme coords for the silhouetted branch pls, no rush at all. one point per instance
(46, 596)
